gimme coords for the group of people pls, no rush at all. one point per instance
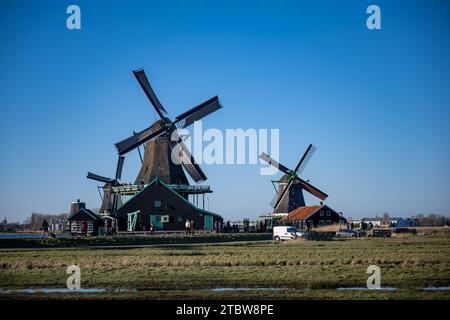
(110, 228)
(218, 226)
(151, 228)
(365, 226)
(189, 226)
(230, 228)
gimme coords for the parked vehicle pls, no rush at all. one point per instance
(286, 233)
(345, 233)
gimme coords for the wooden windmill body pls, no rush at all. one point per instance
(289, 194)
(293, 199)
(157, 163)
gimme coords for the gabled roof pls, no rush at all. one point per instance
(302, 213)
(159, 181)
(86, 211)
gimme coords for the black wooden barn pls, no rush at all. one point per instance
(167, 209)
(309, 217)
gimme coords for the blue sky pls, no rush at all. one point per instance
(375, 103)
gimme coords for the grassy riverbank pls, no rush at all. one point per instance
(132, 240)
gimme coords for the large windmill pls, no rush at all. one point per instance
(157, 160)
(160, 141)
(289, 195)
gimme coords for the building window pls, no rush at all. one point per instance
(157, 204)
(321, 223)
(328, 213)
(180, 219)
(328, 222)
(321, 213)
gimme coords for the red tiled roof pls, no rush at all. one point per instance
(301, 213)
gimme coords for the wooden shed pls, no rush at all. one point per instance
(92, 219)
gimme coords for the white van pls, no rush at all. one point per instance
(285, 233)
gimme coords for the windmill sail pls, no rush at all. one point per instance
(281, 196)
(139, 138)
(119, 167)
(97, 177)
(311, 189)
(274, 163)
(189, 117)
(305, 159)
(145, 84)
(188, 161)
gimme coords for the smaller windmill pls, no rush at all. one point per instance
(107, 200)
(290, 187)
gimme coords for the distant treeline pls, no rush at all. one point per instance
(33, 223)
(36, 219)
(432, 220)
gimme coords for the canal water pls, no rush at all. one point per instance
(365, 289)
(100, 290)
(64, 290)
(246, 289)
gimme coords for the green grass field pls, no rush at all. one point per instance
(303, 269)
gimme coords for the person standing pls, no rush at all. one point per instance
(152, 229)
(84, 228)
(113, 227)
(44, 228)
(106, 228)
(192, 226)
(187, 225)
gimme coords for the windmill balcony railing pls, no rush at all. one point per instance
(127, 188)
(191, 189)
(134, 188)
